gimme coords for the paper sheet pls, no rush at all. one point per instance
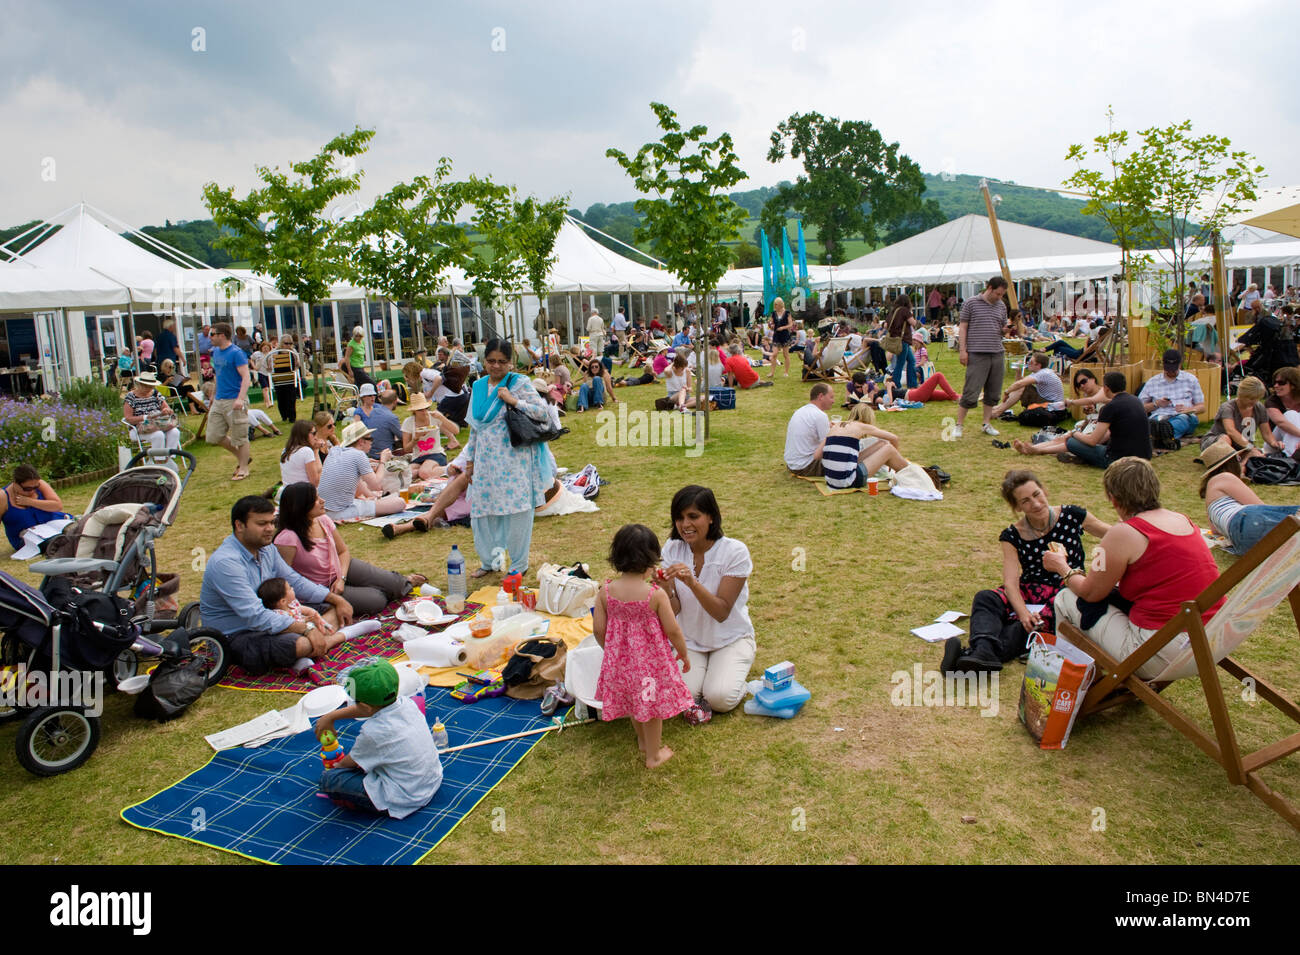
(1035, 608)
(934, 632)
(256, 728)
(949, 616)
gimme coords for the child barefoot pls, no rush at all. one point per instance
(633, 622)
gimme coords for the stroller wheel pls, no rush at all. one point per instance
(55, 740)
(210, 646)
(188, 618)
(125, 665)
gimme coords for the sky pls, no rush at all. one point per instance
(133, 106)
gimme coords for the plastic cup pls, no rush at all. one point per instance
(873, 486)
(836, 419)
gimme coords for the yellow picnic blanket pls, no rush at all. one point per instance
(820, 484)
(573, 630)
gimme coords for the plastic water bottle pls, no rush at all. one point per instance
(455, 578)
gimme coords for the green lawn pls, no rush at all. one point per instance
(837, 584)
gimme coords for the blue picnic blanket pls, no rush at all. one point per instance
(262, 803)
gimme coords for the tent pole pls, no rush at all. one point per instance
(1220, 298)
(1012, 306)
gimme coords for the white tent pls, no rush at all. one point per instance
(969, 238)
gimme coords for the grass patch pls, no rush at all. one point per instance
(869, 781)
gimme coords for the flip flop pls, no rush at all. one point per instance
(239, 476)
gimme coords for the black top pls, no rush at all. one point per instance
(1130, 433)
(1067, 531)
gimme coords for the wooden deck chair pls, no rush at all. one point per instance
(282, 365)
(833, 356)
(1253, 586)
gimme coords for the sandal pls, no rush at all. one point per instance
(480, 573)
(420, 524)
(239, 475)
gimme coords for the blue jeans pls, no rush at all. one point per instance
(906, 355)
(347, 786)
(1088, 453)
(1250, 524)
(591, 393)
(1064, 348)
(1183, 424)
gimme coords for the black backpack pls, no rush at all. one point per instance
(1273, 469)
(175, 683)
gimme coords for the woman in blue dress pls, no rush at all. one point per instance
(506, 483)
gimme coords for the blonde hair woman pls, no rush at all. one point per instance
(856, 449)
(782, 335)
(1239, 420)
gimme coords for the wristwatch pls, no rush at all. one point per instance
(310, 626)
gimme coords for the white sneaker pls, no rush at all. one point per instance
(991, 431)
(956, 432)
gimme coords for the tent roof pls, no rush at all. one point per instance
(968, 238)
(85, 242)
(1275, 209)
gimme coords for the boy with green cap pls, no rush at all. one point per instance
(393, 768)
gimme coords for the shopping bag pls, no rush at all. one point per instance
(1057, 677)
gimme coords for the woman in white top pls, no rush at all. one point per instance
(677, 381)
(300, 462)
(422, 439)
(706, 577)
(150, 417)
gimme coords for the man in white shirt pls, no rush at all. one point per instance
(619, 325)
(1172, 401)
(1040, 386)
(805, 435)
(596, 332)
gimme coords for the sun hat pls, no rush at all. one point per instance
(542, 387)
(374, 684)
(1215, 458)
(419, 402)
(354, 433)
(146, 378)
(366, 389)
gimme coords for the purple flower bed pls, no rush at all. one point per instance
(56, 438)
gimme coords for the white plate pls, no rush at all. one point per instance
(134, 684)
(439, 620)
(324, 699)
(458, 631)
(401, 614)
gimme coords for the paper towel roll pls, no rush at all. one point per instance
(436, 650)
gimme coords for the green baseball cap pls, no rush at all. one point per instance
(374, 684)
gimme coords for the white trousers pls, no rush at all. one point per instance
(719, 677)
(1118, 635)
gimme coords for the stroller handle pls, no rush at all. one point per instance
(189, 460)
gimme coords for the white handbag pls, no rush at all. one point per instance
(562, 594)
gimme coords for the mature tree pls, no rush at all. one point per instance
(747, 255)
(854, 183)
(407, 241)
(913, 223)
(685, 211)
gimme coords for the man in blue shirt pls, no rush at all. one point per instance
(261, 639)
(385, 424)
(228, 416)
(203, 341)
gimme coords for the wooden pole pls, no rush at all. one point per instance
(1220, 290)
(1012, 307)
(502, 739)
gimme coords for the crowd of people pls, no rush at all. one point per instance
(286, 588)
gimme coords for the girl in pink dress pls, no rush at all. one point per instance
(633, 622)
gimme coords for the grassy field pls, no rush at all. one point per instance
(838, 582)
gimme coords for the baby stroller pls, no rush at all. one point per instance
(58, 650)
(110, 550)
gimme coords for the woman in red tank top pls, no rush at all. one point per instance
(1156, 558)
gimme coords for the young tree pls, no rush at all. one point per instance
(854, 183)
(536, 227)
(282, 228)
(1173, 191)
(406, 242)
(690, 217)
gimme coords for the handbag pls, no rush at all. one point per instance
(562, 594)
(525, 431)
(536, 664)
(893, 344)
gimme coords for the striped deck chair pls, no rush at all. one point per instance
(1259, 581)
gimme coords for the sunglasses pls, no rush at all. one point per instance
(29, 490)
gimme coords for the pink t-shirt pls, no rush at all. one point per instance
(321, 563)
(146, 348)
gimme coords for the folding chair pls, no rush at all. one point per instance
(832, 355)
(1015, 348)
(344, 392)
(1253, 586)
(282, 364)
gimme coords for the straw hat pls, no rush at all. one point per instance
(354, 433)
(419, 402)
(146, 378)
(1215, 458)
